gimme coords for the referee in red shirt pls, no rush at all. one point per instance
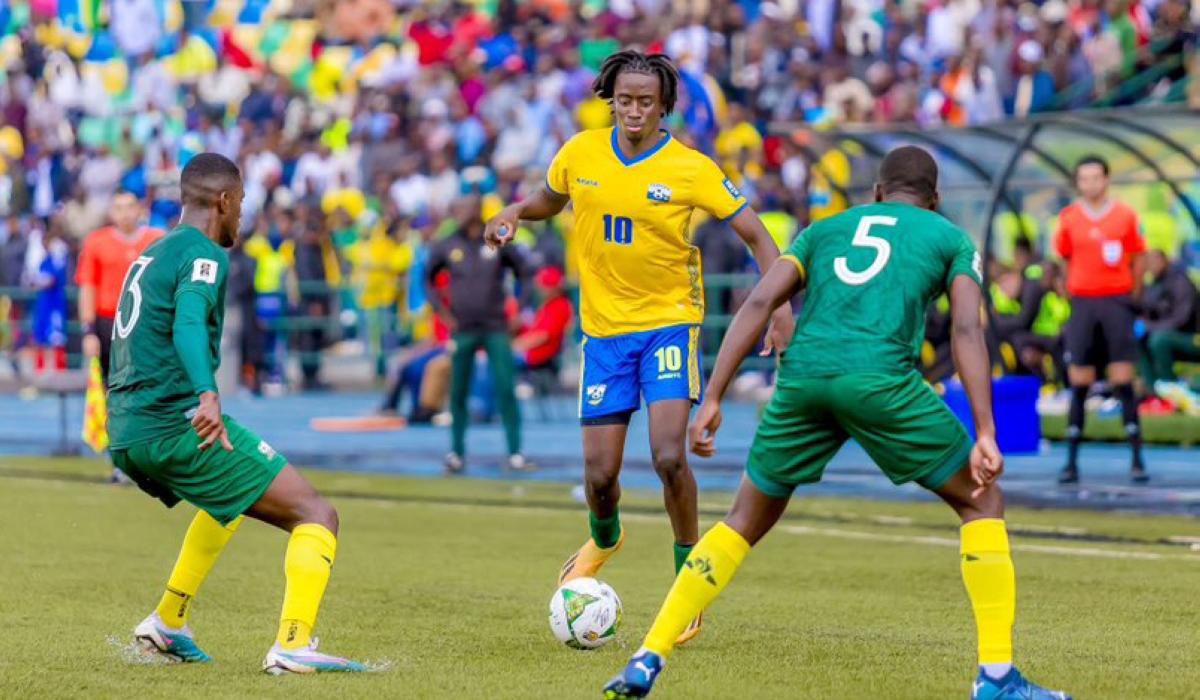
(1102, 243)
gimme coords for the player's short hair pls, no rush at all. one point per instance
(1092, 160)
(909, 169)
(634, 61)
(206, 176)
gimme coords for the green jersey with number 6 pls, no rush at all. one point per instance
(149, 392)
(871, 273)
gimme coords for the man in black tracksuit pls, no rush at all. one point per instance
(476, 318)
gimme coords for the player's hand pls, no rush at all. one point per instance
(779, 333)
(501, 228)
(703, 433)
(91, 345)
(209, 424)
(987, 464)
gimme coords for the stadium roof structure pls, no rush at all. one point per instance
(1024, 167)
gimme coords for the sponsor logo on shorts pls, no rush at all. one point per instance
(266, 450)
(595, 393)
(670, 375)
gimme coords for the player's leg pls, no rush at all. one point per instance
(608, 396)
(668, 449)
(462, 362)
(166, 630)
(1080, 341)
(911, 434)
(293, 505)
(990, 580)
(795, 441)
(1119, 338)
(670, 378)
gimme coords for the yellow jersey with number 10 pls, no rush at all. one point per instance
(638, 268)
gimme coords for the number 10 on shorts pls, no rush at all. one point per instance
(670, 359)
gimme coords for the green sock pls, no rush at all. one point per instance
(606, 532)
(681, 554)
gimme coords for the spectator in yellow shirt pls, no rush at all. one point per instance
(380, 261)
(274, 253)
(739, 145)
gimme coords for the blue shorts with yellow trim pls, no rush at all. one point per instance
(659, 365)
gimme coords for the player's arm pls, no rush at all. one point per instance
(86, 278)
(782, 282)
(750, 229)
(196, 295)
(541, 205)
(974, 370)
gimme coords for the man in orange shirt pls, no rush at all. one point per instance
(107, 255)
(1102, 243)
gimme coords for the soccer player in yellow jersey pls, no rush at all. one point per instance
(634, 190)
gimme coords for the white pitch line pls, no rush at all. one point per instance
(839, 533)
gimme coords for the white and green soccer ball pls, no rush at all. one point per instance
(585, 613)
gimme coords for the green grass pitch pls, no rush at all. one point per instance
(446, 584)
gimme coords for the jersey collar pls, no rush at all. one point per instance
(1096, 214)
(641, 156)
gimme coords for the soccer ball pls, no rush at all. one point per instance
(585, 613)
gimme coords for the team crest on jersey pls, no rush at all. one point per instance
(266, 450)
(732, 189)
(659, 193)
(204, 270)
(596, 392)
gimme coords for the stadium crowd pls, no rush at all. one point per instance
(369, 131)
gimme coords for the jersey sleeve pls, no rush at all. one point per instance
(1135, 238)
(87, 274)
(558, 176)
(799, 252)
(1062, 239)
(964, 260)
(201, 271)
(714, 193)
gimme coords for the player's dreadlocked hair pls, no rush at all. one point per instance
(633, 61)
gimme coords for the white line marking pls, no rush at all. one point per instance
(839, 533)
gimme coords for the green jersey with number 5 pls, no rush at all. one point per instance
(149, 393)
(871, 273)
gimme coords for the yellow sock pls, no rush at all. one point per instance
(987, 570)
(205, 540)
(308, 563)
(708, 569)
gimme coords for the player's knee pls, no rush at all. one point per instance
(988, 505)
(321, 512)
(670, 463)
(600, 475)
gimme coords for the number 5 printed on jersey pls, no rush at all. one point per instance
(864, 239)
(122, 327)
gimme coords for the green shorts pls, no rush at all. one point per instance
(898, 419)
(223, 484)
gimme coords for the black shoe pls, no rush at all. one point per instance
(1138, 474)
(1069, 475)
(422, 416)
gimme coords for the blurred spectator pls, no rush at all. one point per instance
(477, 320)
(274, 253)
(1169, 306)
(316, 270)
(50, 304)
(540, 343)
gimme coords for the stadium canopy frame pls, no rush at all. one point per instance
(987, 167)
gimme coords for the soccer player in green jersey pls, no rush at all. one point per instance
(169, 435)
(850, 372)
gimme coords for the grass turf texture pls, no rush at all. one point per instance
(448, 582)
